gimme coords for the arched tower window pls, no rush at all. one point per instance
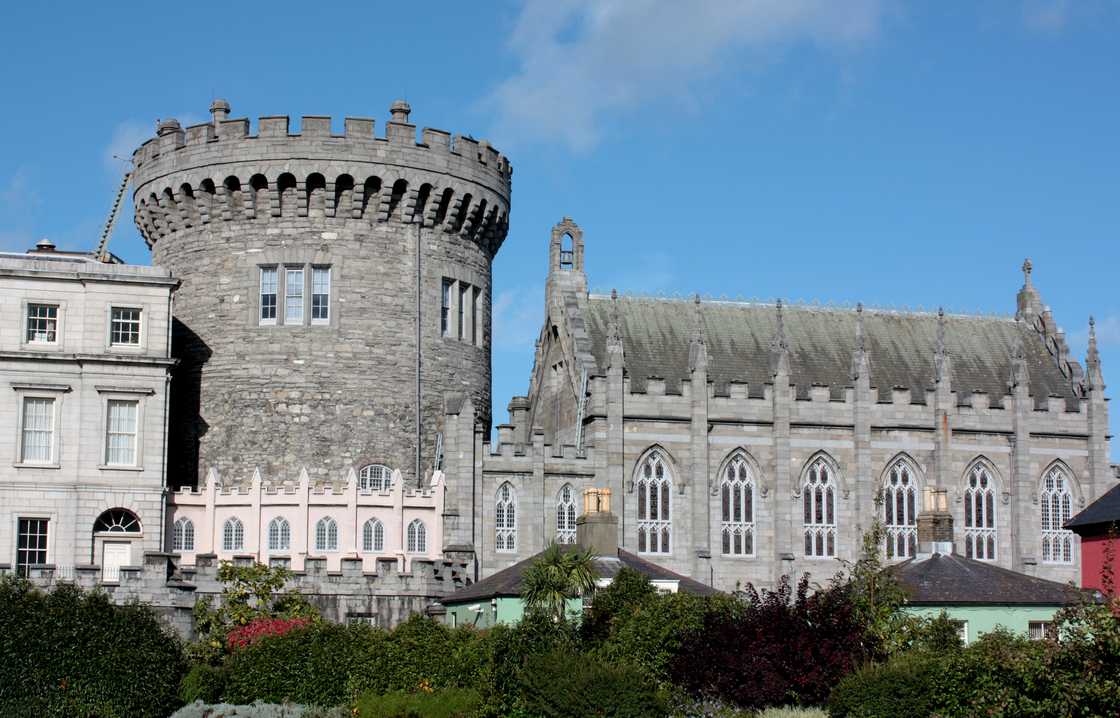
(373, 536)
(818, 497)
(422, 198)
(343, 196)
(371, 197)
(900, 511)
(566, 515)
(258, 187)
(444, 206)
(375, 477)
(400, 189)
(232, 187)
(417, 537)
(233, 535)
(316, 195)
(1057, 504)
(326, 534)
(279, 534)
(505, 519)
(182, 535)
(980, 514)
(567, 251)
(736, 489)
(286, 191)
(655, 488)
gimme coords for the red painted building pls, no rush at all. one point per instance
(1099, 528)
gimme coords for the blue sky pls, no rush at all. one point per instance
(893, 153)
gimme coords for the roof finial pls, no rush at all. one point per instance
(1094, 379)
(614, 331)
(698, 320)
(860, 366)
(779, 347)
(1094, 354)
(1027, 267)
(859, 326)
(940, 330)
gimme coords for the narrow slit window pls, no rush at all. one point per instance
(476, 330)
(293, 295)
(268, 295)
(445, 309)
(320, 294)
(464, 291)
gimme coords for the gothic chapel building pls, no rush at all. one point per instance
(743, 441)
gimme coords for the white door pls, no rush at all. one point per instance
(113, 556)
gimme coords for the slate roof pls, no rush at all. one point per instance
(1098, 515)
(507, 582)
(900, 346)
(943, 580)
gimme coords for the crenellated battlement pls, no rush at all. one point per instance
(219, 172)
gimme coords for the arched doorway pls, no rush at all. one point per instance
(115, 530)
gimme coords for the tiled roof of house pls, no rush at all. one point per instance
(900, 347)
(507, 582)
(1100, 514)
(955, 580)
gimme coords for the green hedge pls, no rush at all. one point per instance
(449, 703)
(900, 687)
(564, 684)
(73, 653)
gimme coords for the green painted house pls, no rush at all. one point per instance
(981, 596)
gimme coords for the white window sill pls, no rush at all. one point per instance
(738, 556)
(32, 465)
(119, 467)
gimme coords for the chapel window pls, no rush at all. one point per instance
(654, 485)
(818, 497)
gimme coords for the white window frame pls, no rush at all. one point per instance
(1056, 503)
(980, 494)
(505, 519)
(654, 485)
(25, 337)
(182, 535)
(1036, 630)
(818, 497)
(737, 482)
(109, 433)
(447, 290)
(417, 537)
(316, 271)
(900, 529)
(326, 535)
(233, 534)
(139, 322)
(373, 536)
(55, 400)
(375, 478)
(566, 515)
(281, 530)
(289, 270)
(275, 271)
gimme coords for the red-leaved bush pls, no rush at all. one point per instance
(259, 628)
(783, 647)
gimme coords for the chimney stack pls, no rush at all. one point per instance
(935, 524)
(597, 527)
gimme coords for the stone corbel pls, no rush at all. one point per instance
(1006, 497)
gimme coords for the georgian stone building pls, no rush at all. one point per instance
(744, 441)
(84, 362)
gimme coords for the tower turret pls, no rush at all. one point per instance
(335, 286)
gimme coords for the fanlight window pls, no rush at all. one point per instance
(900, 512)
(819, 502)
(737, 509)
(373, 536)
(375, 477)
(1057, 502)
(117, 521)
(182, 535)
(566, 515)
(505, 519)
(279, 534)
(326, 534)
(417, 536)
(233, 535)
(655, 486)
(980, 515)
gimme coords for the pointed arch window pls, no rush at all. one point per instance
(417, 536)
(375, 477)
(566, 515)
(900, 511)
(1057, 504)
(980, 515)
(182, 535)
(505, 519)
(279, 534)
(655, 488)
(373, 536)
(326, 534)
(737, 508)
(818, 497)
(233, 535)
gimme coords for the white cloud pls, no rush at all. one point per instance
(518, 314)
(127, 136)
(581, 60)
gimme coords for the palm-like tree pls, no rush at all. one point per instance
(557, 576)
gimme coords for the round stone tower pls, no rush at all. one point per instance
(335, 288)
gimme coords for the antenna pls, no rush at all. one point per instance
(114, 212)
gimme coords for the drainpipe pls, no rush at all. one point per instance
(166, 418)
(419, 432)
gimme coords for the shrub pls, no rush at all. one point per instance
(420, 651)
(651, 635)
(203, 682)
(448, 703)
(899, 687)
(75, 653)
(615, 603)
(261, 626)
(307, 665)
(563, 684)
(800, 645)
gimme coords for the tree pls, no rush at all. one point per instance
(557, 577)
(612, 604)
